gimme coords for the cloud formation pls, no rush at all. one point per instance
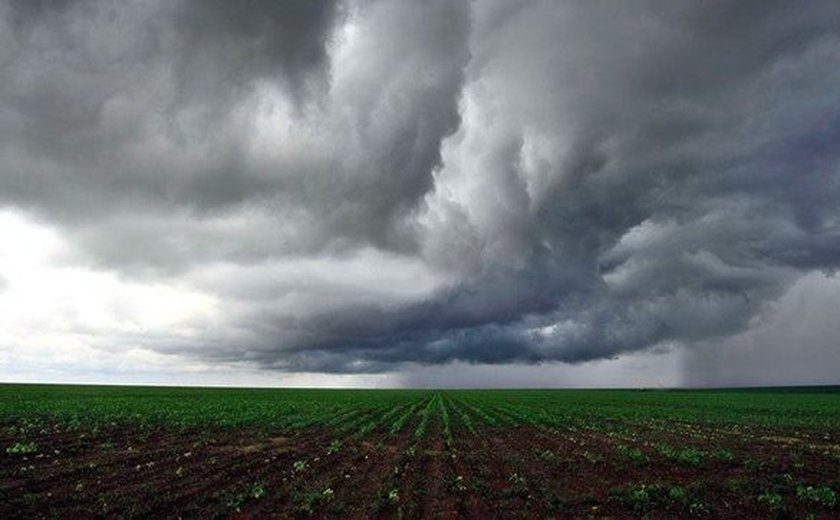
(350, 186)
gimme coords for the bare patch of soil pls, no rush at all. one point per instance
(509, 472)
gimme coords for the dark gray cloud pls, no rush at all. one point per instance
(364, 184)
(132, 104)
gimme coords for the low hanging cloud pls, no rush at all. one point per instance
(352, 186)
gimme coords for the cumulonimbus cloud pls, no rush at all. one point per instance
(361, 184)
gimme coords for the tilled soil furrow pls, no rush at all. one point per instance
(381, 459)
(493, 475)
(433, 496)
(246, 467)
(89, 464)
(451, 457)
(339, 473)
(163, 478)
(470, 504)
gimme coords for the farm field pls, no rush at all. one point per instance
(155, 452)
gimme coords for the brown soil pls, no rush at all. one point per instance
(508, 472)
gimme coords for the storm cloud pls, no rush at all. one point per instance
(354, 186)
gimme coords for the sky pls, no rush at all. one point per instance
(420, 193)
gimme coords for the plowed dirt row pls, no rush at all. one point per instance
(501, 471)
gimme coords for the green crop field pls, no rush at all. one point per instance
(139, 451)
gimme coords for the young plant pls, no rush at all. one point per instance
(236, 501)
(457, 484)
(724, 455)
(635, 455)
(773, 501)
(22, 448)
(678, 494)
(307, 502)
(257, 490)
(822, 495)
(518, 484)
(546, 455)
(334, 447)
(691, 457)
(639, 498)
(698, 509)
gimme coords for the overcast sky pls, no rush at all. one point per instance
(423, 193)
